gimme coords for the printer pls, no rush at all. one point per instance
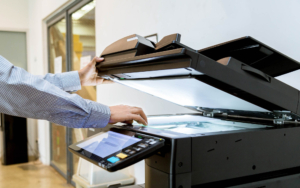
(245, 130)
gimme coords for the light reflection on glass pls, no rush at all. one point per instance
(193, 124)
(84, 46)
(190, 92)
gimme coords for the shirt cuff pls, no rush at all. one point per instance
(99, 116)
(70, 81)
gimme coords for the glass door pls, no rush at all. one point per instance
(83, 51)
(71, 44)
(57, 64)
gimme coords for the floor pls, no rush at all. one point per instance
(31, 175)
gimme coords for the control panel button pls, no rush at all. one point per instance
(140, 137)
(113, 159)
(132, 152)
(122, 155)
(127, 150)
(137, 148)
(153, 142)
(142, 145)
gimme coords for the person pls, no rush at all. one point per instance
(49, 97)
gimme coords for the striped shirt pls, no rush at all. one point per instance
(46, 97)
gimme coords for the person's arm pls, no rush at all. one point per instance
(26, 95)
(72, 81)
(67, 81)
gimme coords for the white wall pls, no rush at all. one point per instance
(14, 15)
(201, 24)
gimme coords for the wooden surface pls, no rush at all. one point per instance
(31, 175)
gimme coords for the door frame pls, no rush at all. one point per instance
(65, 13)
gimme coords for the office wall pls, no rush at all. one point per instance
(14, 15)
(201, 24)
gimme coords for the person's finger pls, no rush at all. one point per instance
(108, 82)
(99, 80)
(96, 60)
(139, 111)
(137, 118)
(130, 122)
(99, 59)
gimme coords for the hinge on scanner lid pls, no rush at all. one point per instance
(280, 117)
(208, 112)
(276, 117)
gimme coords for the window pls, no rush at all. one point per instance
(71, 44)
(57, 63)
(83, 51)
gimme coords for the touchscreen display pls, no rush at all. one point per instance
(108, 143)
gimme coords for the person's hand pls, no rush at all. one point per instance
(88, 74)
(123, 113)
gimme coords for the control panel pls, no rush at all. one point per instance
(116, 149)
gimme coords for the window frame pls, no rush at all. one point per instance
(65, 13)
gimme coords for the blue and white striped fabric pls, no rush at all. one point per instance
(26, 95)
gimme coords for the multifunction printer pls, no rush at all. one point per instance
(244, 131)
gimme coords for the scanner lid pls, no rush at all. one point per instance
(199, 80)
(254, 53)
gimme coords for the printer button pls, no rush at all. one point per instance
(142, 145)
(137, 148)
(103, 165)
(108, 165)
(122, 155)
(113, 159)
(153, 142)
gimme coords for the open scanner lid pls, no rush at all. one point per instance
(236, 75)
(253, 53)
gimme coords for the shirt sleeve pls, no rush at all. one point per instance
(26, 95)
(67, 81)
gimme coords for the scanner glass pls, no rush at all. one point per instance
(194, 124)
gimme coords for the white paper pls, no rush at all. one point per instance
(58, 65)
(84, 60)
(152, 38)
(133, 38)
